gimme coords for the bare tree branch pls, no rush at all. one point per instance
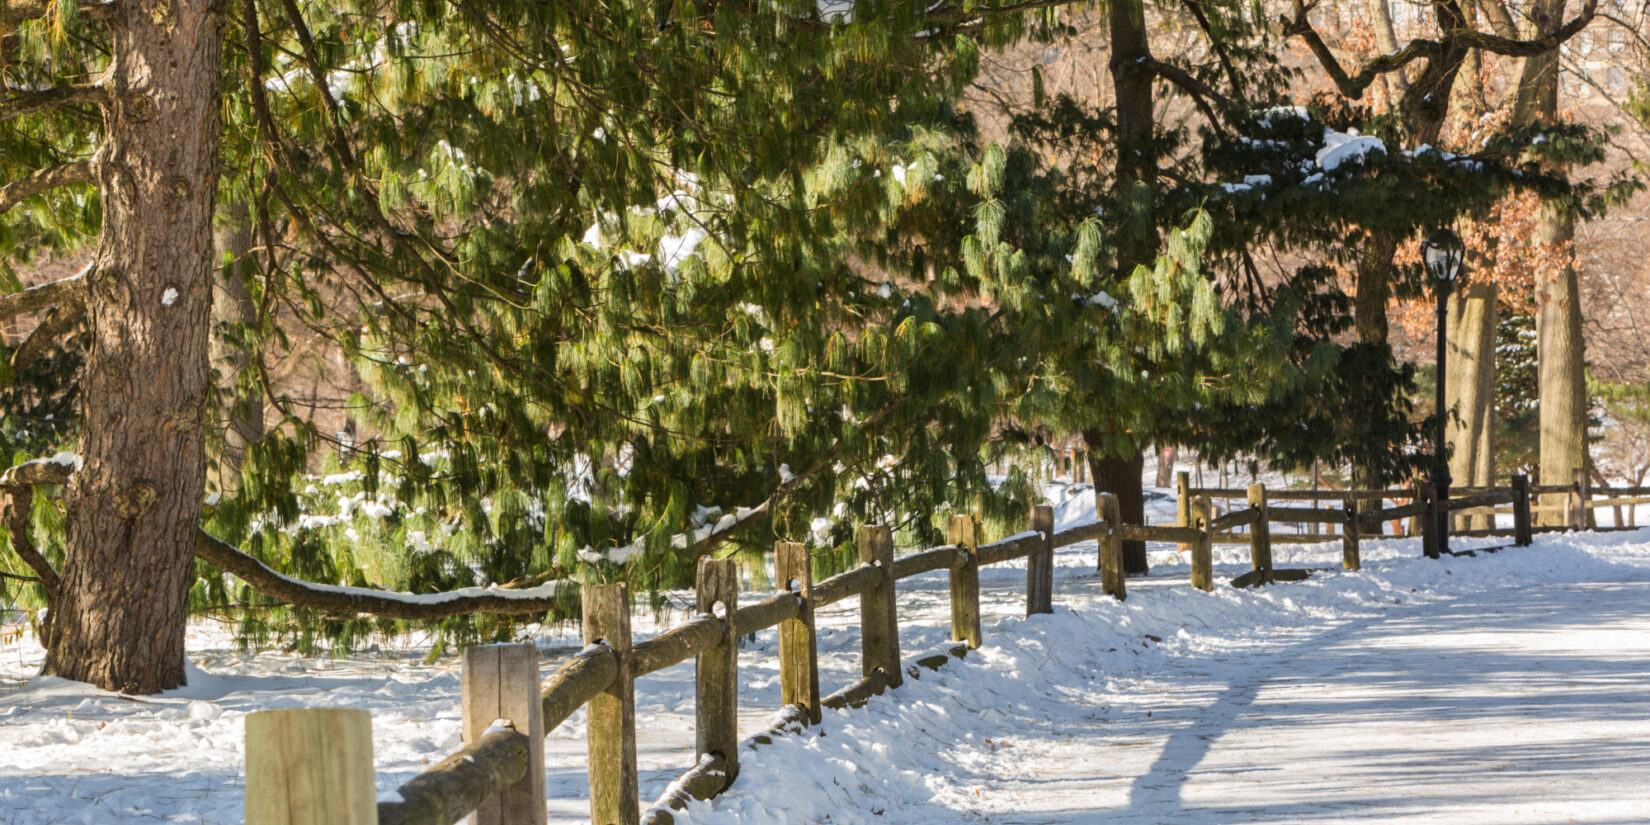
(30, 102)
(56, 293)
(68, 174)
(1511, 47)
(58, 321)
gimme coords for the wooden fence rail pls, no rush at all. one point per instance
(497, 778)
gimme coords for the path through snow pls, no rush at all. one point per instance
(1503, 689)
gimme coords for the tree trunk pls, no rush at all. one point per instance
(1470, 389)
(1165, 466)
(1122, 477)
(1559, 348)
(134, 506)
(232, 308)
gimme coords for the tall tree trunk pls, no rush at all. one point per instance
(232, 308)
(1121, 476)
(1470, 389)
(1137, 243)
(134, 506)
(1562, 369)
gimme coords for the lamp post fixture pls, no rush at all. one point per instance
(1443, 253)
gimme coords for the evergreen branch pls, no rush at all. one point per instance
(68, 174)
(14, 12)
(56, 293)
(1201, 92)
(58, 321)
(361, 600)
(1218, 45)
(56, 97)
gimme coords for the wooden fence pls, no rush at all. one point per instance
(308, 767)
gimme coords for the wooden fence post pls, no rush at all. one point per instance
(798, 647)
(1351, 532)
(1079, 467)
(1183, 503)
(963, 531)
(1040, 565)
(502, 682)
(1260, 533)
(1203, 549)
(310, 766)
(1418, 521)
(1521, 510)
(1112, 579)
(1581, 515)
(610, 722)
(1429, 536)
(716, 671)
(878, 621)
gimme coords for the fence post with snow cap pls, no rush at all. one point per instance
(1351, 533)
(716, 671)
(1260, 533)
(1040, 564)
(798, 646)
(499, 688)
(1112, 578)
(615, 798)
(879, 621)
(310, 766)
(963, 531)
(1203, 547)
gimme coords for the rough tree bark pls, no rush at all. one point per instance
(1470, 389)
(1136, 188)
(134, 507)
(232, 307)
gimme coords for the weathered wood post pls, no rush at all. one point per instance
(610, 724)
(1521, 511)
(1079, 467)
(879, 624)
(1429, 536)
(1112, 577)
(1351, 533)
(310, 766)
(1183, 503)
(1040, 564)
(502, 682)
(716, 671)
(1417, 521)
(798, 646)
(1581, 515)
(963, 531)
(1260, 533)
(1203, 577)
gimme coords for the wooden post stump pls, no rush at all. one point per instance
(310, 767)
(798, 646)
(1203, 577)
(502, 682)
(1260, 533)
(1521, 511)
(963, 531)
(1429, 536)
(610, 725)
(1581, 515)
(1350, 534)
(716, 671)
(1040, 564)
(1112, 578)
(878, 621)
(1183, 504)
(1417, 522)
(1079, 467)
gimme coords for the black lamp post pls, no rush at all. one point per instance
(1443, 253)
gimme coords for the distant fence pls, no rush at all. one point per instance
(309, 767)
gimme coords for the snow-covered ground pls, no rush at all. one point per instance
(1508, 688)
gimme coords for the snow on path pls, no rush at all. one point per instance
(1149, 710)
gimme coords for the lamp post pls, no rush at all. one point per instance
(1443, 253)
